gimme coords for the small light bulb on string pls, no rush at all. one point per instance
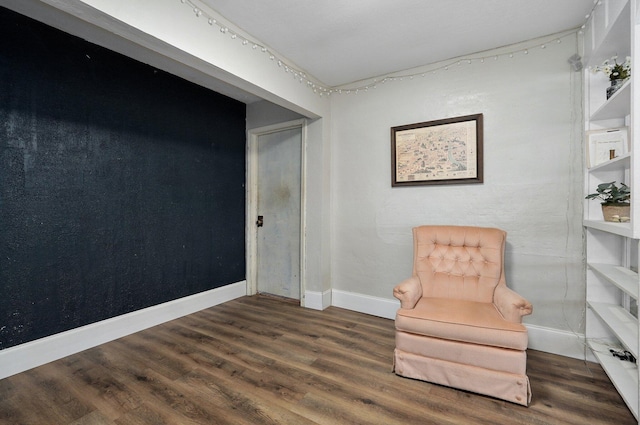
(319, 89)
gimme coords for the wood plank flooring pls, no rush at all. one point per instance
(258, 360)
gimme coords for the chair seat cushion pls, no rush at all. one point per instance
(462, 320)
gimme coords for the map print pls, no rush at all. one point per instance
(436, 153)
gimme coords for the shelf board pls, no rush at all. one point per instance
(625, 279)
(618, 163)
(622, 229)
(623, 374)
(617, 106)
(621, 323)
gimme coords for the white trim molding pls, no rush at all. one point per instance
(376, 306)
(35, 353)
(251, 203)
(554, 341)
(317, 300)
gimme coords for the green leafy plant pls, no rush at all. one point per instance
(610, 194)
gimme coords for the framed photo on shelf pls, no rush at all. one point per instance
(606, 144)
(446, 151)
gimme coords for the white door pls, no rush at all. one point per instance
(278, 213)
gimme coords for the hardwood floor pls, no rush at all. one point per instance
(257, 360)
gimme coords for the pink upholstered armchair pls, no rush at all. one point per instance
(458, 324)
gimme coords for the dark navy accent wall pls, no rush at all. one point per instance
(121, 186)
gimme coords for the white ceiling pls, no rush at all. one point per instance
(343, 41)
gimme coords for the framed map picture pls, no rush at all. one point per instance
(447, 151)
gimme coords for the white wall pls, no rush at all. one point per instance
(532, 176)
(532, 148)
(263, 113)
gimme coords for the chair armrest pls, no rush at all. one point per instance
(409, 291)
(511, 305)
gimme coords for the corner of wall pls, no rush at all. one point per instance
(317, 300)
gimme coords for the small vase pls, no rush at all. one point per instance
(614, 87)
(616, 212)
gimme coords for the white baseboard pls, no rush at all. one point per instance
(317, 300)
(32, 354)
(376, 306)
(549, 340)
(35, 353)
(555, 341)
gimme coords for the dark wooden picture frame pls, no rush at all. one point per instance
(446, 151)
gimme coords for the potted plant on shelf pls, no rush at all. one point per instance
(615, 201)
(618, 73)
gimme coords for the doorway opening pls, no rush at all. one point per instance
(275, 211)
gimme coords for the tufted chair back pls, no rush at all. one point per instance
(459, 262)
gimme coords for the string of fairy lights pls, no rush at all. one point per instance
(322, 90)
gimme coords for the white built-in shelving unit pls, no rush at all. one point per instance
(612, 248)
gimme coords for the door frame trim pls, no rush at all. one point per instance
(252, 201)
